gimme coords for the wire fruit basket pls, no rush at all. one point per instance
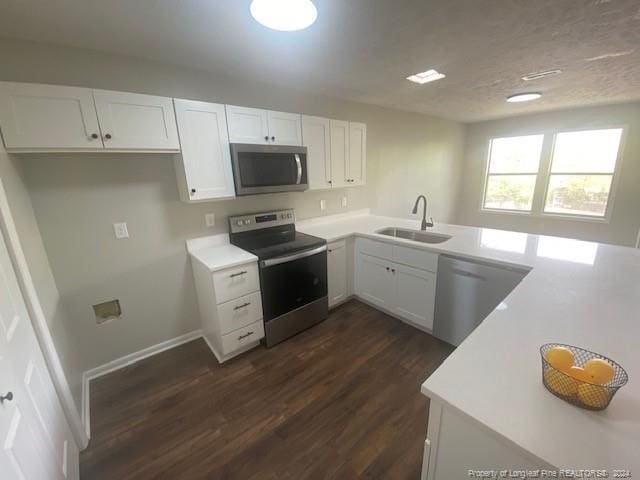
(582, 392)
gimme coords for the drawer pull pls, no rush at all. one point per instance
(241, 337)
(242, 306)
(233, 275)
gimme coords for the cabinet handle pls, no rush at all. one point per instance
(8, 397)
(266, 138)
(393, 270)
(108, 136)
(387, 268)
(193, 191)
(93, 136)
(233, 275)
(245, 335)
(273, 139)
(242, 306)
(330, 250)
(329, 182)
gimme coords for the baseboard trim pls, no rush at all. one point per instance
(122, 362)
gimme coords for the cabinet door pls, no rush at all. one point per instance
(48, 117)
(415, 294)
(374, 281)
(337, 272)
(339, 152)
(357, 163)
(285, 128)
(206, 160)
(247, 125)
(316, 136)
(132, 121)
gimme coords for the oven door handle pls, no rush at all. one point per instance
(299, 165)
(290, 258)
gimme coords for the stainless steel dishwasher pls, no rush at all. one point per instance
(466, 292)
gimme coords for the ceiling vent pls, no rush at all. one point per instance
(538, 75)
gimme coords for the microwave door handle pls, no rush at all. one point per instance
(299, 165)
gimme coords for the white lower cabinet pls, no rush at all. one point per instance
(457, 444)
(230, 308)
(407, 292)
(337, 269)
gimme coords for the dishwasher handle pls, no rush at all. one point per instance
(465, 273)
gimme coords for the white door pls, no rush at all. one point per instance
(339, 152)
(415, 293)
(337, 272)
(132, 121)
(356, 166)
(206, 159)
(374, 281)
(36, 440)
(36, 116)
(285, 128)
(247, 125)
(316, 136)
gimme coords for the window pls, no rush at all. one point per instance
(513, 170)
(582, 168)
(574, 178)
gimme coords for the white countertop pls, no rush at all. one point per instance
(216, 253)
(580, 293)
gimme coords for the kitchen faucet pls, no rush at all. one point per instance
(424, 224)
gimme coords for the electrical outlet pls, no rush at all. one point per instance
(343, 202)
(210, 219)
(323, 204)
(120, 230)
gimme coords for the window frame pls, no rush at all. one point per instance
(489, 174)
(544, 174)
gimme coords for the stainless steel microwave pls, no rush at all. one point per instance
(268, 168)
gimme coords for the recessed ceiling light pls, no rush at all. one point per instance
(284, 15)
(524, 97)
(426, 77)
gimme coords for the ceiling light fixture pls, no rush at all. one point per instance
(284, 15)
(426, 77)
(523, 97)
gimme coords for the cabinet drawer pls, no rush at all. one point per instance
(241, 337)
(416, 258)
(240, 312)
(374, 248)
(236, 282)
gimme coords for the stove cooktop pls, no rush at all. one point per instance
(269, 235)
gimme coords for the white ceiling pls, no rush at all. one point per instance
(363, 49)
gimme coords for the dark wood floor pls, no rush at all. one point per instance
(341, 400)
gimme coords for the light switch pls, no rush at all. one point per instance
(343, 202)
(210, 219)
(120, 229)
(323, 204)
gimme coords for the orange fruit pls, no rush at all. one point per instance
(579, 374)
(560, 383)
(561, 358)
(593, 395)
(600, 371)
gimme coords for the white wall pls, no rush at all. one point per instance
(11, 173)
(625, 219)
(77, 197)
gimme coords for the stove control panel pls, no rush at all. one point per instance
(256, 221)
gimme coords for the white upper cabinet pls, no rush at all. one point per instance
(204, 166)
(263, 127)
(48, 117)
(131, 121)
(339, 152)
(316, 136)
(247, 125)
(285, 128)
(356, 166)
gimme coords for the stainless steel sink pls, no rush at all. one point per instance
(415, 235)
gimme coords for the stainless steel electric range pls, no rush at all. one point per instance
(293, 271)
